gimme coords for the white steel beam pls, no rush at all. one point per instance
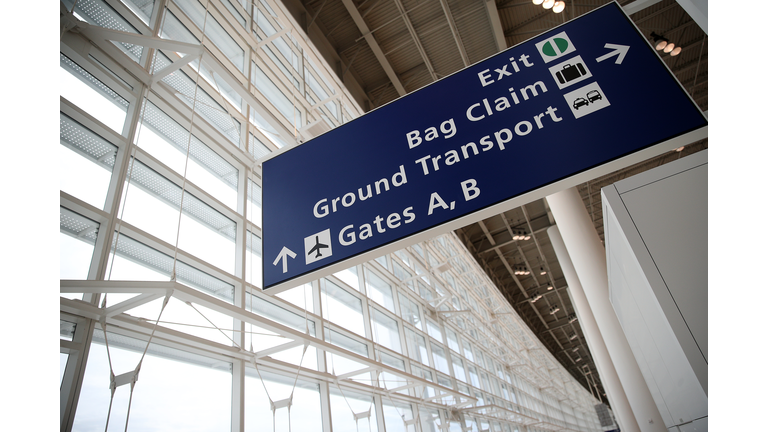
(455, 32)
(96, 34)
(186, 294)
(132, 303)
(638, 5)
(416, 40)
(363, 27)
(498, 30)
(277, 349)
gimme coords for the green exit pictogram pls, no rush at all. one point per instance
(559, 46)
(555, 46)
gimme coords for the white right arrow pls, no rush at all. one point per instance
(283, 255)
(620, 50)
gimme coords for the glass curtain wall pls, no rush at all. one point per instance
(164, 324)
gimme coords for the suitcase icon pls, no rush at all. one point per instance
(570, 73)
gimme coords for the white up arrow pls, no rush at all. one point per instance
(283, 255)
(620, 50)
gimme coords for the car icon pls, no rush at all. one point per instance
(594, 95)
(579, 102)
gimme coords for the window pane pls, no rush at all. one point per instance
(434, 331)
(475, 381)
(76, 242)
(206, 106)
(136, 261)
(169, 142)
(417, 346)
(379, 290)
(93, 96)
(458, 369)
(306, 414)
(441, 361)
(152, 204)
(453, 341)
(253, 271)
(344, 406)
(213, 30)
(395, 416)
(254, 202)
(177, 390)
(349, 277)
(86, 161)
(409, 311)
(280, 315)
(342, 308)
(275, 96)
(385, 330)
(231, 8)
(301, 296)
(468, 351)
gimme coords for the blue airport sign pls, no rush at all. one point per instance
(579, 96)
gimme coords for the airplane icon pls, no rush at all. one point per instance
(316, 248)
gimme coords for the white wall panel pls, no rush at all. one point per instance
(656, 246)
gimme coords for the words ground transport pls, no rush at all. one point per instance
(577, 97)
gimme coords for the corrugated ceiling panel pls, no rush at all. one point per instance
(405, 59)
(476, 33)
(421, 79)
(368, 68)
(443, 52)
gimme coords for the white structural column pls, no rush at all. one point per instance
(605, 368)
(588, 257)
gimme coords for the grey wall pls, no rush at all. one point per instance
(656, 246)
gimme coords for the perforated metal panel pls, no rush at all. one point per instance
(254, 193)
(78, 226)
(163, 125)
(99, 13)
(253, 243)
(142, 254)
(256, 147)
(120, 341)
(86, 142)
(157, 185)
(92, 81)
(66, 329)
(604, 415)
(206, 106)
(142, 8)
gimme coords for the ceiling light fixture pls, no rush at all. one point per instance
(575, 349)
(553, 309)
(536, 296)
(543, 272)
(520, 235)
(557, 6)
(572, 318)
(663, 44)
(550, 287)
(572, 336)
